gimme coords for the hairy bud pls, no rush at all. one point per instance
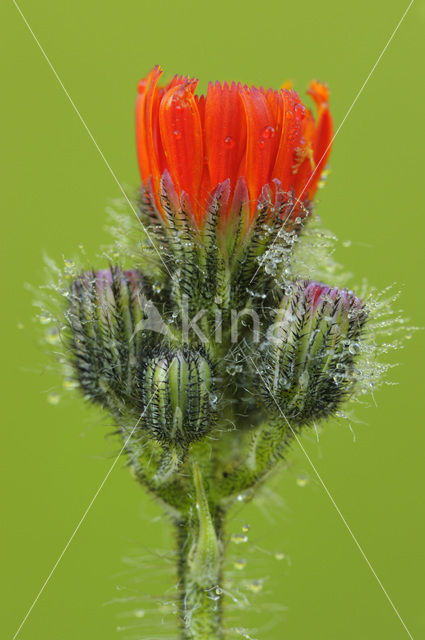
(178, 395)
(311, 351)
(105, 319)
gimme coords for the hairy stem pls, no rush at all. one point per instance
(200, 561)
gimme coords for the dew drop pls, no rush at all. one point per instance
(354, 348)
(246, 528)
(52, 336)
(268, 132)
(229, 142)
(246, 496)
(239, 564)
(69, 384)
(139, 613)
(238, 538)
(255, 586)
(177, 134)
(44, 319)
(53, 398)
(279, 555)
(213, 399)
(302, 480)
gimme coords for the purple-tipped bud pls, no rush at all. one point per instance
(105, 318)
(311, 350)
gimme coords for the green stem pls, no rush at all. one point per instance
(200, 569)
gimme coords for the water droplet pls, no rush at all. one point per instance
(302, 480)
(69, 384)
(69, 270)
(219, 591)
(246, 496)
(261, 142)
(44, 319)
(53, 336)
(246, 528)
(229, 142)
(177, 134)
(213, 399)
(53, 398)
(139, 613)
(279, 555)
(20, 325)
(255, 586)
(239, 564)
(354, 348)
(347, 243)
(238, 538)
(268, 132)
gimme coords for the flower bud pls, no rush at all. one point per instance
(105, 319)
(178, 396)
(311, 350)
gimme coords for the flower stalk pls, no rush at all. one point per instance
(200, 560)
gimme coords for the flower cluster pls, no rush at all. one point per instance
(208, 349)
(228, 181)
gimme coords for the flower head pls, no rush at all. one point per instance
(252, 144)
(311, 351)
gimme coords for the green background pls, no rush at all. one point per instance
(55, 188)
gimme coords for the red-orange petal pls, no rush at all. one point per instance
(225, 132)
(274, 98)
(151, 124)
(260, 142)
(141, 147)
(324, 133)
(181, 135)
(292, 116)
(305, 165)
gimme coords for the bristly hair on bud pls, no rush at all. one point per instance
(178, 394)
(106, 341)
(311, 350)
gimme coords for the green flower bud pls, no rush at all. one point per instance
(105, 320)
(178, 396)
(311, 351)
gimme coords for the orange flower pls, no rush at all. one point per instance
(247, 143)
